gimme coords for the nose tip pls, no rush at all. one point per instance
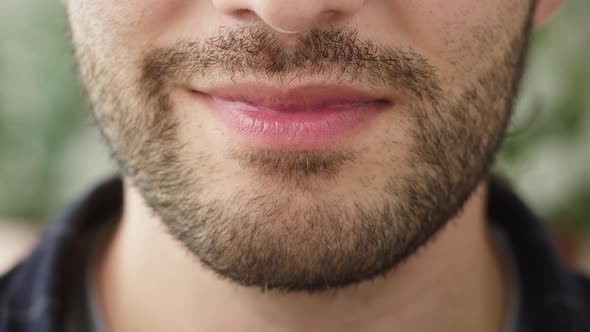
(297, 16)
(292, 16)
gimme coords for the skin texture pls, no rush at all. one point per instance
(294, 222)
(306, 220)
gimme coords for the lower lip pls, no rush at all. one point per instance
(320, 127)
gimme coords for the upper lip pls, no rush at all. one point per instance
(277, 97)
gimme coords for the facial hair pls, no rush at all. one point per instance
(263, 237)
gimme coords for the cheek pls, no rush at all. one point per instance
(131, 22)
(461, 36)
(135, 11)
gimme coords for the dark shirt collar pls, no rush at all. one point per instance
(34, 295)
(555, 298)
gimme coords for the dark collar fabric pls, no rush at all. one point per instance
(35, 294)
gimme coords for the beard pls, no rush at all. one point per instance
(288, 228)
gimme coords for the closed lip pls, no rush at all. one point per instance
(301, 98)
(303, 117)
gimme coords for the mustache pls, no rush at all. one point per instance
(332, 53)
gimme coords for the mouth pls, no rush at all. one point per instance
(304, 117)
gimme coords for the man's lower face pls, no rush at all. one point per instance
(304, 165)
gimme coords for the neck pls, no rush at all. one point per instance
(147, 282)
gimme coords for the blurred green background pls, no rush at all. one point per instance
(50, 151)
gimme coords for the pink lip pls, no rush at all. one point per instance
(308, 117)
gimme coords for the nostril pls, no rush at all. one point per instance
(289, 16)
(330, 15)
(240, 9)
(243, 13)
